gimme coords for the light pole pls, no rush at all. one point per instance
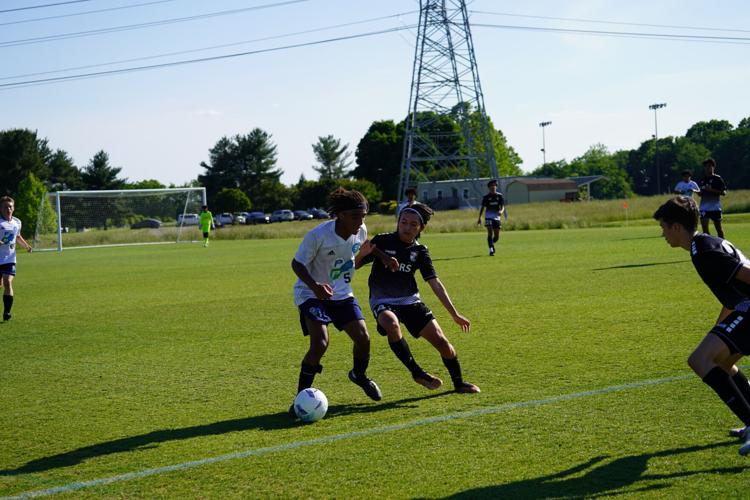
(656, 144)
(544, 146)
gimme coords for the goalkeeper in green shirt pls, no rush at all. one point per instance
(206, 221)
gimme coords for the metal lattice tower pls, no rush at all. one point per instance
(445, 84)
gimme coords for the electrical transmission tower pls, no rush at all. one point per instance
(447, 133)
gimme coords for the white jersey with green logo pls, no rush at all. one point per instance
(329, 259)
(9, 230)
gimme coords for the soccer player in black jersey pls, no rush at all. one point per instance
(726, 272)
(494, 204)
(394, 297)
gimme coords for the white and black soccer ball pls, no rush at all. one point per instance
(310, 405)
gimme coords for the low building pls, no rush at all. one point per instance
(532, 189)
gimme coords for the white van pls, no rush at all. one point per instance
(188, 220)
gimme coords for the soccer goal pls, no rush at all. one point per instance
(81, 219)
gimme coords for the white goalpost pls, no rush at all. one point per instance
(85, 219)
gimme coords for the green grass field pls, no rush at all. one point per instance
(166, 371)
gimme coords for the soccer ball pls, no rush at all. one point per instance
(310, 405)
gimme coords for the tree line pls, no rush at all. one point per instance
(242, 171)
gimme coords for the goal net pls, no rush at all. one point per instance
(76, 219)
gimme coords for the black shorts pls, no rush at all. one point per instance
(338, 312)
(414, 316)
(8, 269)
(714, 215)
(205, 234)
(734, 331)
(493, 223)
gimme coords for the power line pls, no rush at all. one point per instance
(113, 29)
(86, 12)
(202, 49)
(42, 6)
(600, 21)
(43, 81)
(655, 36)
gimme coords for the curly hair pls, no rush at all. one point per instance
(341, 199)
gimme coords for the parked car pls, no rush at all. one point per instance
(225, 218)
(257, 218)
(146, 224)
(302, 215)
(240, 217)
(282, 215)
(319, 213)
(188, 219)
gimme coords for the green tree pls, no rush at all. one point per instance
(32, 195)
(100, 175)
(273, 195)
(332, 157)
(63, 174)
(709, 133)
(246, 162)
(231, 200)
(145, 184)
(21, 153)
(378, 156)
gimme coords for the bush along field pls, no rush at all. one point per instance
(166, 372)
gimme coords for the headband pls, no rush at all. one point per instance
(409, 209)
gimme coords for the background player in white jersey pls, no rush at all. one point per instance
(726, 272)
(494, 204)
(687, 186)
(10, 229)
(324, 265)
(394, 297)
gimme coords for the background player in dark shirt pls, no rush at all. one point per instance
(712, 188)
(726, 272)
(394, 297)
(494, 204)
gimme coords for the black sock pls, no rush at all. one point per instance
(489, 241)
(742, 384)
(454, 369)
(494, 240)
(307, 375)
(401, 349)
(360, 367)
(7, 303)
(722, 384)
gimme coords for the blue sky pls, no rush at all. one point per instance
(160, 124)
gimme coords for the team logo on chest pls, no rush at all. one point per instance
(413, 256)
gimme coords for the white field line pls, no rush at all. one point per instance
(66, 488)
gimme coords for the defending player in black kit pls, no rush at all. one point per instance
(394, 297)
(494, 204)
(726, 272)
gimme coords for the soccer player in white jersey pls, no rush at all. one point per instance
(394, 298)
(324, 265)
(10, 231)
(726, 272)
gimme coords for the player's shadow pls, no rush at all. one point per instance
(649, 264)
(599, 478)
(273, 421)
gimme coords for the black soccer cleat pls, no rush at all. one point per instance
(492, 251)
(292, 414)
(368, 385)
(7, 316)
